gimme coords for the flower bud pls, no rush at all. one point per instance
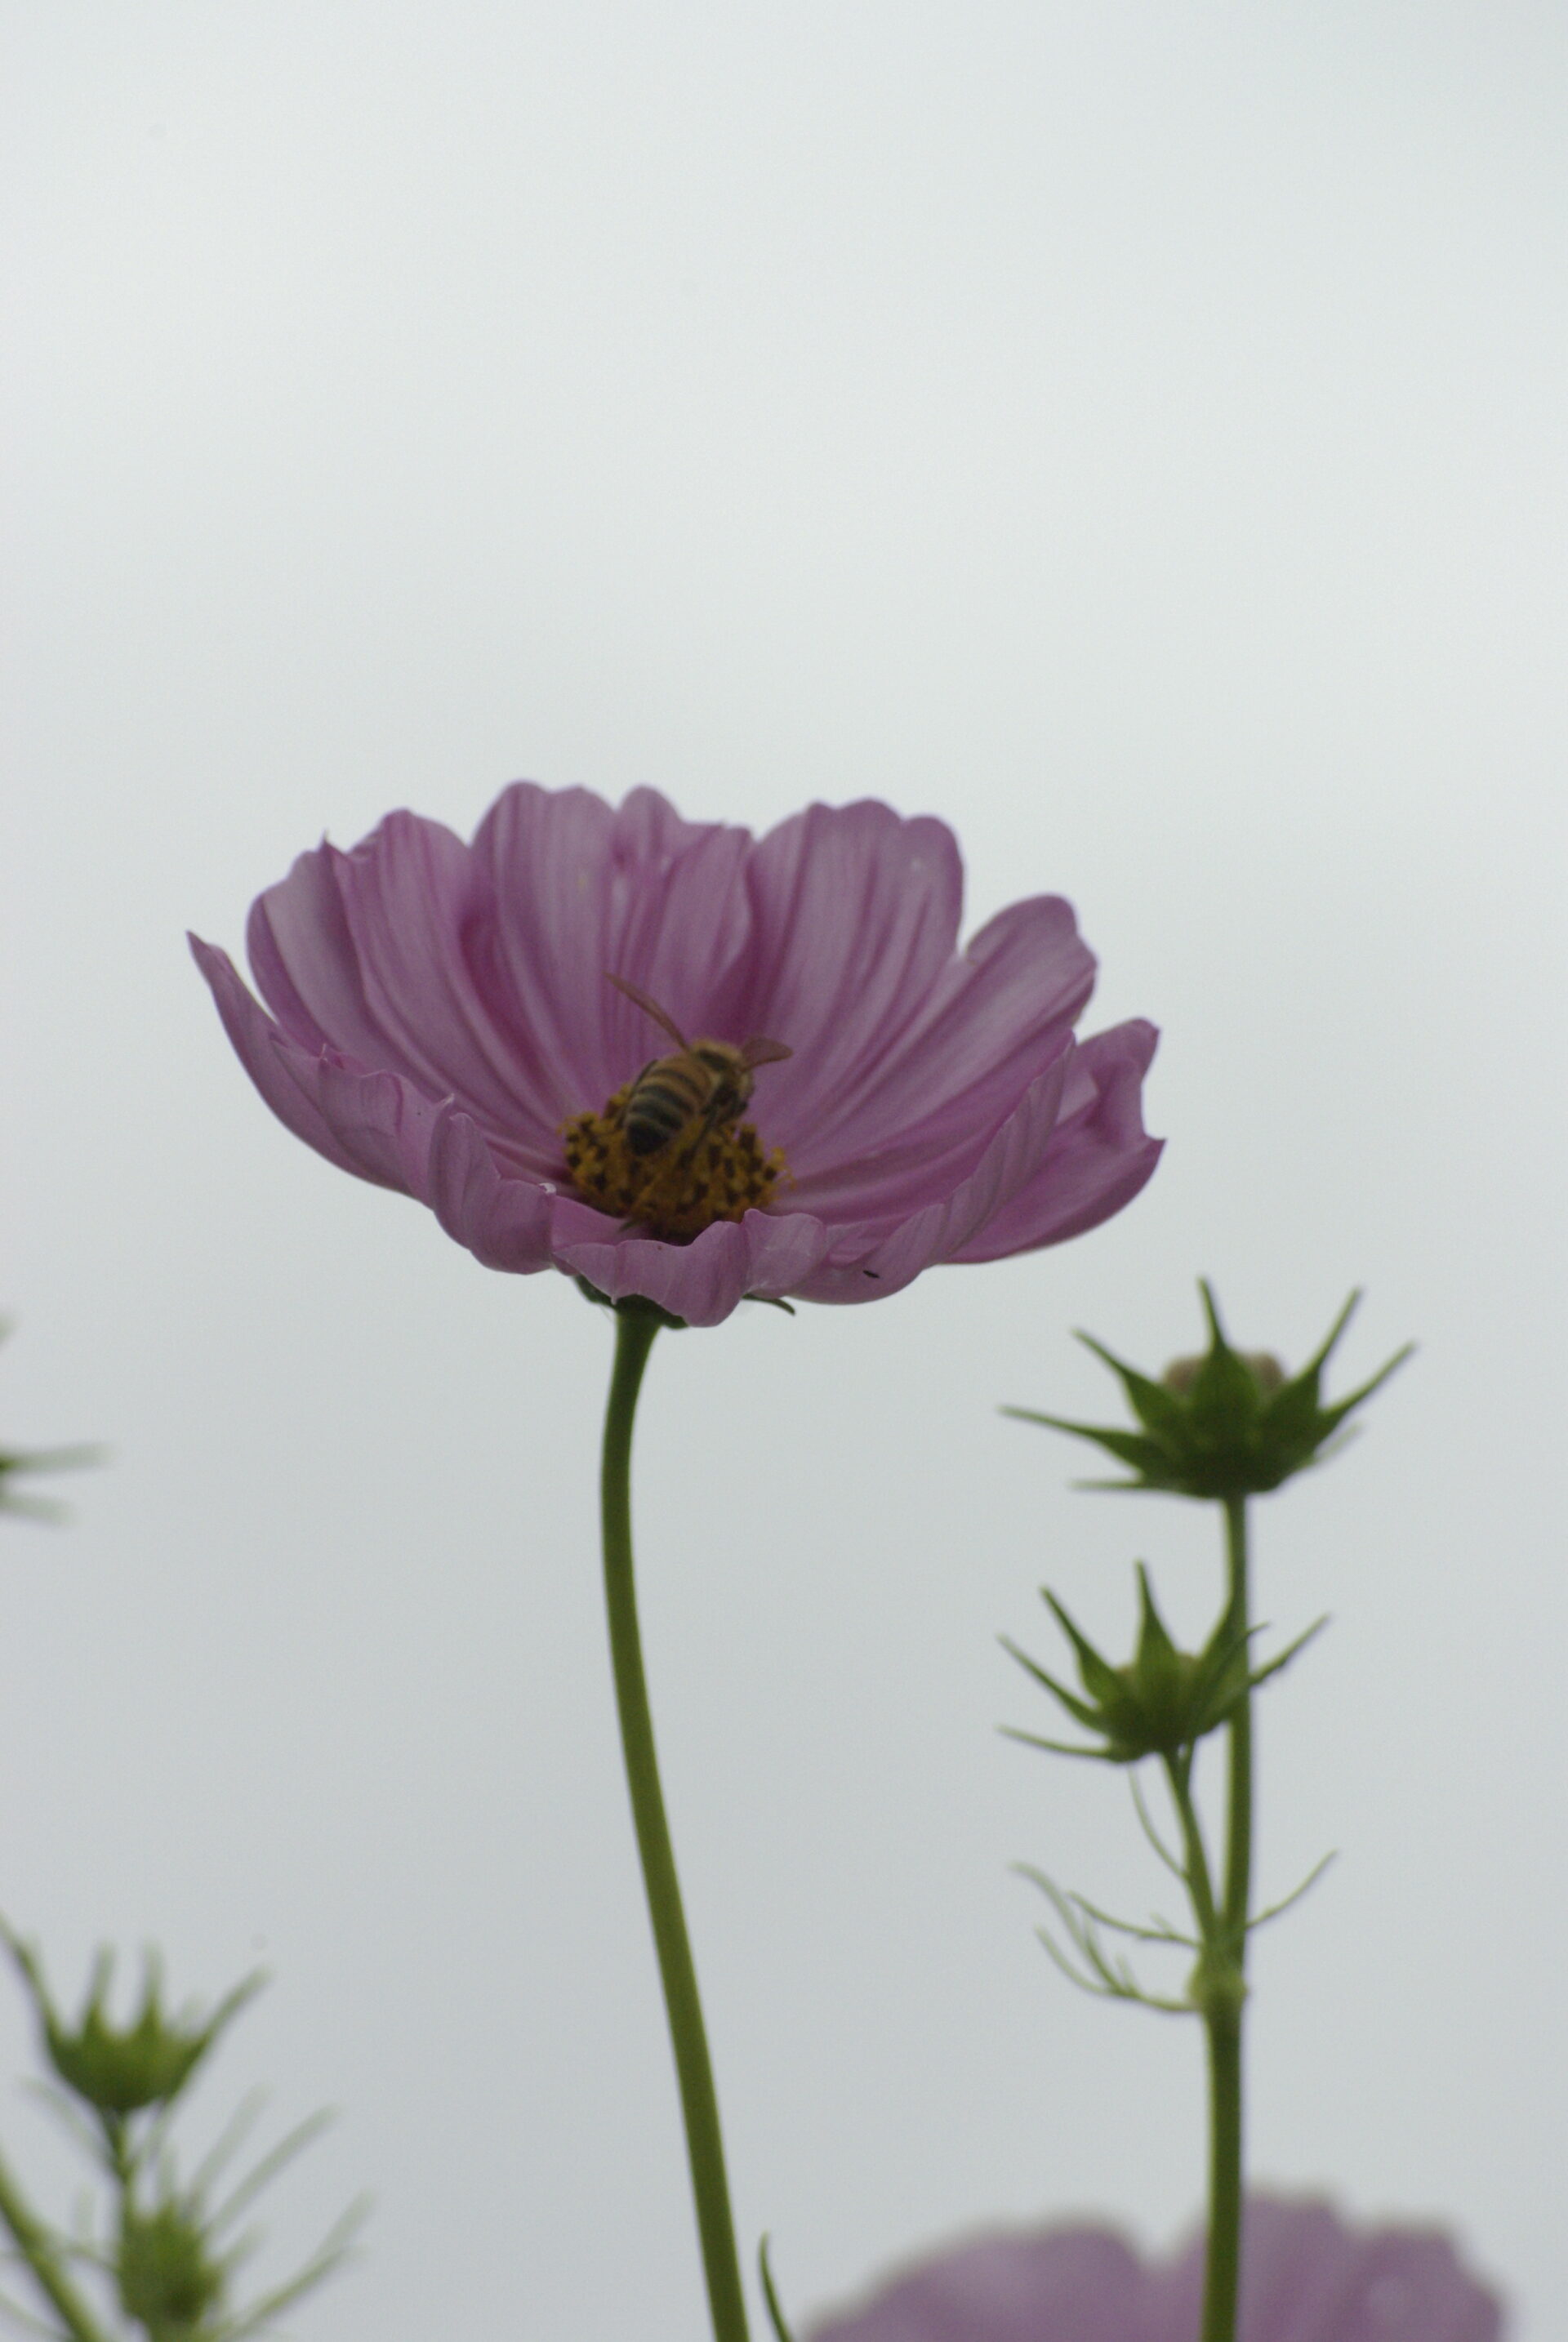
(168, 2278)
(1227, 1424)
(119, 2070)
(1162, 1701)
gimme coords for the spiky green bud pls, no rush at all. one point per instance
(1226, 1424)
(120, 2070)
(1162, 1701)
(166, 2273)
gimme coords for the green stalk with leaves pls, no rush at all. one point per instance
(1220, 1428)
(164, 2259)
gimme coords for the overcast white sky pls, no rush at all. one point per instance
(1129, 431)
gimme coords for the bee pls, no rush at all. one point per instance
(704, 1087)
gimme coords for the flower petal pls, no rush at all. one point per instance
(367, 1120)
(1068, 2284)
(996, 1018)
(1411, 2288)
(381, 951)
(870, 1261)
(264, 1051)
(1306, 2278)
(584, 893)
(701, 1282)
(1099, 1155)
(505, 1223)
(380, 1121)
(305, 966)
(855, 920)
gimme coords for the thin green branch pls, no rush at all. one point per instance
(271, 2164)
(770, 2294)
(1096, 1991)
(334, 2248)
(1146, 1822)
(1195, 1870)
(1156, 1930)
(1102, 1975)
(1288, 1902)
(229, 2140)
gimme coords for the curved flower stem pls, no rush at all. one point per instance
(635, 1331)
(1227, 1997)
(32, 2243)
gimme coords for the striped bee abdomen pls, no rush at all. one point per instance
(668, 1096)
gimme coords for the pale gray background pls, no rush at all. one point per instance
(1127, 430)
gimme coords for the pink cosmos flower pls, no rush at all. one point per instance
(444, 1021)
(1306, 2278)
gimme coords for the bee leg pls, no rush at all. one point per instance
(711, 1119)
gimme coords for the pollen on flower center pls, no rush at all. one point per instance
(682, 1188)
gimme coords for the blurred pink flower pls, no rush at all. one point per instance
(1306, 2278)
(441, 1013)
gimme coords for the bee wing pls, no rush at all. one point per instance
(651, 1008)
(758, 1051)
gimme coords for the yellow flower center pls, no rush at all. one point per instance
(679, 1189)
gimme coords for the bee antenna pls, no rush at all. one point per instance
(650, 1009)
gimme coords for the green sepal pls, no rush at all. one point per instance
(1084, 1712)
(634, 1305)
(1101, 1680)
(1156, 1408)
(1058, 1748)
(1134, 1448)
(1282, 1659)
(1223, 1426)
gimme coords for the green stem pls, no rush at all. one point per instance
(1227, 1982)
(635, 1330)
(1217, 1992)
(1221, 2274)
(33, 2242)
(1239, 1834)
